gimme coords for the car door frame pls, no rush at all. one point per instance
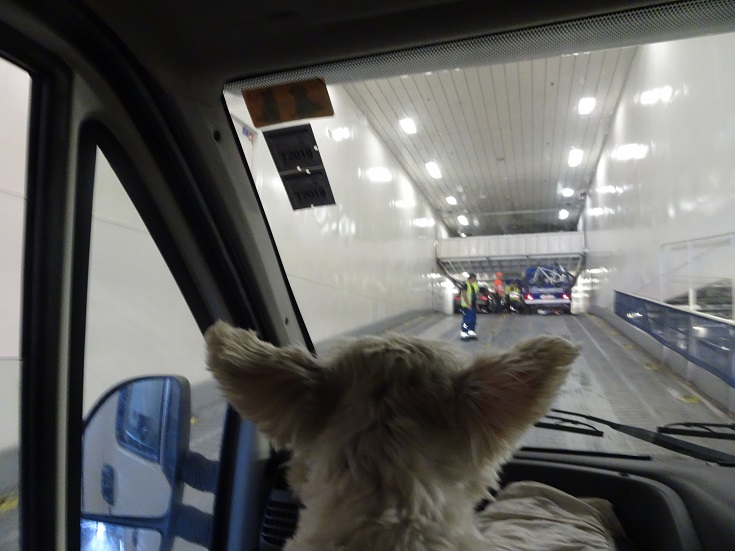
(85, 94)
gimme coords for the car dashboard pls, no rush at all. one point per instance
(662, 505)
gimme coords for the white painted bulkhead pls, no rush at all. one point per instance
(14, 99)
(660, 214)
(682, 188)
(367, 258)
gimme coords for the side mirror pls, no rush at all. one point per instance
(134, 445)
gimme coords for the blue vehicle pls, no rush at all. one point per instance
(548, 288)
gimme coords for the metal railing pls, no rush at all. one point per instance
(704, 340)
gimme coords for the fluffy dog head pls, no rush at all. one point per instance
(393, 437)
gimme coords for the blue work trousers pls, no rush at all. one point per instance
(469, 318)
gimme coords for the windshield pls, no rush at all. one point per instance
(596, 185)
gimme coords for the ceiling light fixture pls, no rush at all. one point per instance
(452, 200)
(339, 134)
(408, 126)
(567, 192)
(433, 169)
(651, 97)
(379, 174)
(629, 151)
(404, 203)
(563, 214)
(575, 157)
(424, 222)
(609, 189)
(586, 106)
(462, 219)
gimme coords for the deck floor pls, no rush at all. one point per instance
(611, 379)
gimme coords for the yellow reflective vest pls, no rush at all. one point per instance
(473, 289)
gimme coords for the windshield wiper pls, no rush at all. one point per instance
(569, 425)
(703, 430)
(661, 440)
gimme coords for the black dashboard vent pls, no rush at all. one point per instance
(279, 520)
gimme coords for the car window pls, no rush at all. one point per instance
(14, 106)
(139, 325)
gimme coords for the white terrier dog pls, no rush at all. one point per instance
(394, 438)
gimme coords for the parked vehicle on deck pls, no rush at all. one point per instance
(485, 300)
(548, 289)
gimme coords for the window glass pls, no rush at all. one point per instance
(139, 325)
(14, 101)
(596, 183)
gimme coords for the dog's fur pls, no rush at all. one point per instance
(394, 438)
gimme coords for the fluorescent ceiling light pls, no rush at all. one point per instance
(462, 219)
(567, 192)
(452, 200)
(609, 189)
(462, 235)
(339, 134)
(653, 96)
(409, 127)
(649, 97)
(379, 174)
(586, 106)
(563, 214)
(405, 203)
(433, 169)
(629, 151)
(575, 157)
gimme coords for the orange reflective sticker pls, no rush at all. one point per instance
(288, 102)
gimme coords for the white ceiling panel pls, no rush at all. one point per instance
(501, 135)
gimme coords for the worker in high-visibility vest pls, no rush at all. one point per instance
(498, 284)
(468, 307)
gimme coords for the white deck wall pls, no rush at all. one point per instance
(684, 188)
(658, 224)
(14, 99)
(365, 259)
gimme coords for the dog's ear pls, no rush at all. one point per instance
(501, 395)
(273, 387)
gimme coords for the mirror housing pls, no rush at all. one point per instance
(134, 446)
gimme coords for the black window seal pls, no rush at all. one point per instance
(42, 314)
